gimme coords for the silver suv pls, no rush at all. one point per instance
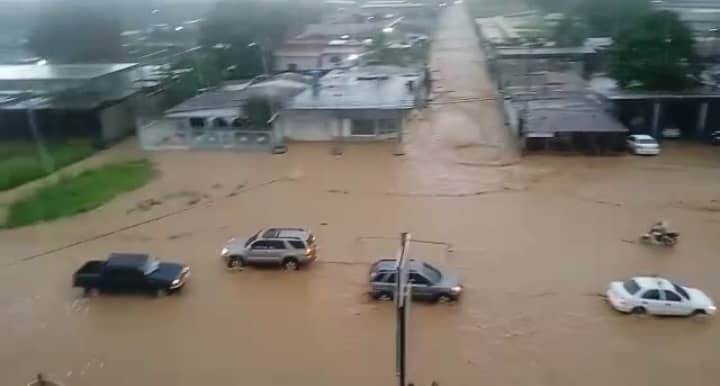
(427, 282)
(289, 247)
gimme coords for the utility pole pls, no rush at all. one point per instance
(45, 158)
(402, 302)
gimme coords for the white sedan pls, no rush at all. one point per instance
(643, 144)
(658, 296)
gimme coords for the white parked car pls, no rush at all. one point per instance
(658, 296)
(643, 144)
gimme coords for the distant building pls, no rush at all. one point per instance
(361, 103)
(216, 119)
(703, 18)
(355, 31)
(695, 112)
(75, 100)
(391, 9)
(558, 111)
(318, 54)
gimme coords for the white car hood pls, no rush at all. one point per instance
(616, 288)
(235, 245)
(698, 298)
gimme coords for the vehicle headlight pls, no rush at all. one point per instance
(176, 282)
(225, 251)
(456, 289)
(711, 309)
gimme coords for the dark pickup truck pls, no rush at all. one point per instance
(128, 272)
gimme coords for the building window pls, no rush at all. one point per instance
(220, 122)
(388, 126)
(363, 127)
(197, 123)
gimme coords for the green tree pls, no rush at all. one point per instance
(655, 53)
(553, 5)
(599, 18)
(381, 53)
(610, 17)
(69, 32)
(236, 24)
(258, 110)
(570, 32)
(190, 75)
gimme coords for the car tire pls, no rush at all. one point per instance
(669, 241)
(638, 311)
(443, 299)
(91, 292)
(161, 292)
(699, 313)
(383, 296)
(290, 264)
(235, 262)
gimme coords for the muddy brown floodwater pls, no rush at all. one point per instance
(535, 240)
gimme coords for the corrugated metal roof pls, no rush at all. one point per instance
(517, 52)
(340, 29)
(609, 89)
(235, 97)
(374, 87)
(569, 116)
(67, 101)
(60, 71)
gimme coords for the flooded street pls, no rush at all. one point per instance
(535, 240)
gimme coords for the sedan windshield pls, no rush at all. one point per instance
(631, 286)
(681, 290)
(253, 238)
(431, 273)
(151, 265)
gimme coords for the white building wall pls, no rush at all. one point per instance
(346, 126)
(303, 63)
(117, 121)
(308, 126)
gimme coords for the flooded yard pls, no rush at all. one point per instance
(536, 241)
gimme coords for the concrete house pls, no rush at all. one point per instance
(360, 103)
(317, 54)
(216, 119)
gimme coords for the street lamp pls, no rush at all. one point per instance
(715, 32)
(262, 56)
(277, 148)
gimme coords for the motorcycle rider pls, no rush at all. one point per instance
(659, 229)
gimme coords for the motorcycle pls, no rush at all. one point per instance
(667, 239)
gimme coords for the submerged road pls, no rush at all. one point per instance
(535, 242)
